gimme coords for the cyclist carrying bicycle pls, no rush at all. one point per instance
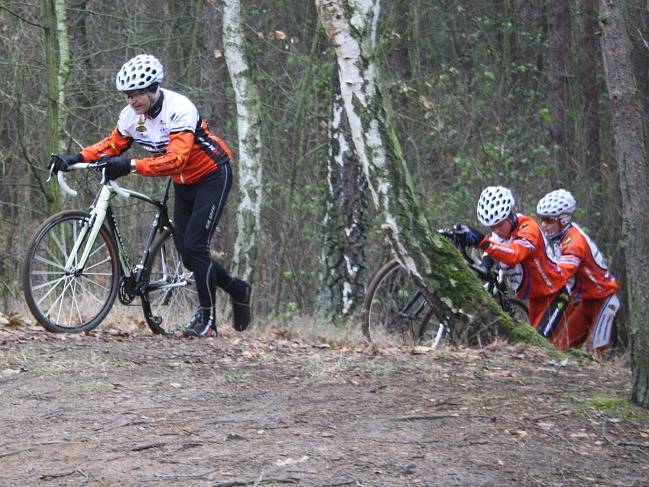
(591, 316)
(518, 244)
(168, 125)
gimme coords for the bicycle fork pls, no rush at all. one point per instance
(97, 217)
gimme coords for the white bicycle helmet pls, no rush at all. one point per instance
(556, 203)
(141, 71)
(495, 205)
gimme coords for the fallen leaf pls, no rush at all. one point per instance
(579, 434)
(14, 320)
(277, 35)
(291, 461)
(424, 102)
(421, 350)
(500, 373)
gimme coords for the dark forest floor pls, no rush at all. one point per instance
(116, 408)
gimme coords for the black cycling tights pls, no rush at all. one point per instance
(197, 211)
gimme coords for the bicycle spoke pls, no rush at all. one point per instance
(89, 293)
(95, 251)
(169, 288)
(56, 283)
(59, 300)
(38, 258)
(74, 304)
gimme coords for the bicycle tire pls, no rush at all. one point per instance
(388, 294)
(168, 287)
(69, 301)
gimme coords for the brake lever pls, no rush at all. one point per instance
(51, 168)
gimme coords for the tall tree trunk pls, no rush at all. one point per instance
(558, 12)
(343, 266)
(63, 73)
(589, 55)
(631, 154)
(186, 18)
(56, 74)
(248, 126)
(432, 261)
(81, 38)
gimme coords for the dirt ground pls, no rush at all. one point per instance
(132, 409)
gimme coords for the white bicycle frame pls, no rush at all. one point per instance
(97, 215)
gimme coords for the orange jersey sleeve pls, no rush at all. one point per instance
(529, 270)
(523, 242)
(172, 161)
(581, 258)
(573, 248)
(113, 145)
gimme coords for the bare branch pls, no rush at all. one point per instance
(19, 17)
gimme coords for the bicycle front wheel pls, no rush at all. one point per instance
(61, 296)
(169, 297)
(396, 310)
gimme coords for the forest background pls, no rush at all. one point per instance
(493, 92)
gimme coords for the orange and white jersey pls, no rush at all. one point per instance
(580, 258)
(528, 267)
(181, 143)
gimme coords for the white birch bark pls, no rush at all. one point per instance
(358, 85)
(248, 126)
(343, 260)
(63, 67)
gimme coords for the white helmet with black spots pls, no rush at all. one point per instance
(138, 73)
(556, 203)
(495, 205)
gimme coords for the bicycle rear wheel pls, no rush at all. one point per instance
(395, 309)
(169, 292)
(69, 299)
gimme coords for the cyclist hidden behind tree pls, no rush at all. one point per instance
(169, 126)
(595, 305)
(519, 246)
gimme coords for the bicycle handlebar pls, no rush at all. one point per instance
(479, 268)
(97, 166)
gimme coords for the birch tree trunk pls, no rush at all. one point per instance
(433, 262)
(343, 266)
(63, 68)
(248, 126)
(631, 154)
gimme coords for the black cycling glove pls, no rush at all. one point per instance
(117, 167)
(61, 162)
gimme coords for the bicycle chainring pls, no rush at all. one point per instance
(126, 292)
